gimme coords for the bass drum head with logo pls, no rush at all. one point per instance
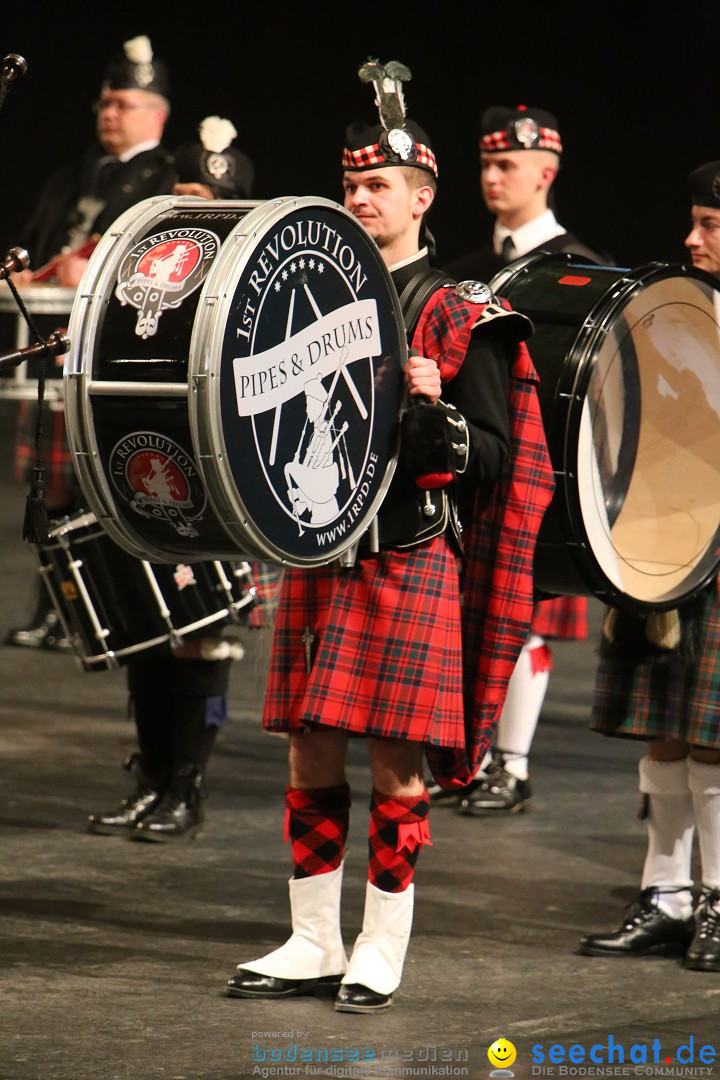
(235, 380)
(298, 366)
(629, 364)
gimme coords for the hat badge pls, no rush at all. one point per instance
(401, 143)
(716, 185)
(144, 74)
(526, 132)
(217, 166)
(140, 54)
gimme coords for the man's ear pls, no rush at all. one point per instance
(548, 174)
(422, 199)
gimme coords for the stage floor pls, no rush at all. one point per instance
(114, 954)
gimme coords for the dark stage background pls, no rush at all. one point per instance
(636, 91)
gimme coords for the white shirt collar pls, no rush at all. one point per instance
(139, 149)
(528, 236)
(411, 258)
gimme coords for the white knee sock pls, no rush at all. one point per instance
(521, 711)
(670, 834)
(705, 790)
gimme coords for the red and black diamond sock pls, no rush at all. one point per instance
(399, 827)
(316, 823)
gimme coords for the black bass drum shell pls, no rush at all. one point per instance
(235, 380)
(629, 366)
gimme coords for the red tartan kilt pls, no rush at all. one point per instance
(563, 618)
(387, 649)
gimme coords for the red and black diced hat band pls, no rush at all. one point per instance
(372, 147)
(522, 128)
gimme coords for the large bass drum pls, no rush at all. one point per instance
(235, 380)
(629, 364)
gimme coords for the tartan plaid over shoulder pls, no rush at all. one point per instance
(499, 540)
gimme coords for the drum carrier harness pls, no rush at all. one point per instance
(413, 513)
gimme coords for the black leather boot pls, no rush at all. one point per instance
(179, 815)
(704, 951)
(645, 930)
(43, 631)
(133, 808)
(496, 793)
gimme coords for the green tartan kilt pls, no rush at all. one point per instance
(665, 699)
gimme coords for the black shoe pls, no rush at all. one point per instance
(45, 633)
(179, 815)
(499, 792)
(646, 930)
(251, 984)
(56, 640)
(704, 951)
(440, 796)
(356, 998)
(132, 809)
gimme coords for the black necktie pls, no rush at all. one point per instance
(508, 250)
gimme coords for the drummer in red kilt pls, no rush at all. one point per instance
(377, 649)
(659, 680)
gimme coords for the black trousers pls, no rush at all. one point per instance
(178, 706)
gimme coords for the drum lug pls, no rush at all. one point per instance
(348, 557)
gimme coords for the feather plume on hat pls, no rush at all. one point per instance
(139, 50)
(216, 133)
(389, 98)
(395, 140)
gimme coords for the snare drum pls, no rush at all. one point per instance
(114, 606)
(49, 306)
(629, 365)
(235, 380)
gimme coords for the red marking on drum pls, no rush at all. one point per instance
(157, 475)
(171, 260)
(184, 576)
(574, 279)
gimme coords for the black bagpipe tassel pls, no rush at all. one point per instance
(36, 524)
